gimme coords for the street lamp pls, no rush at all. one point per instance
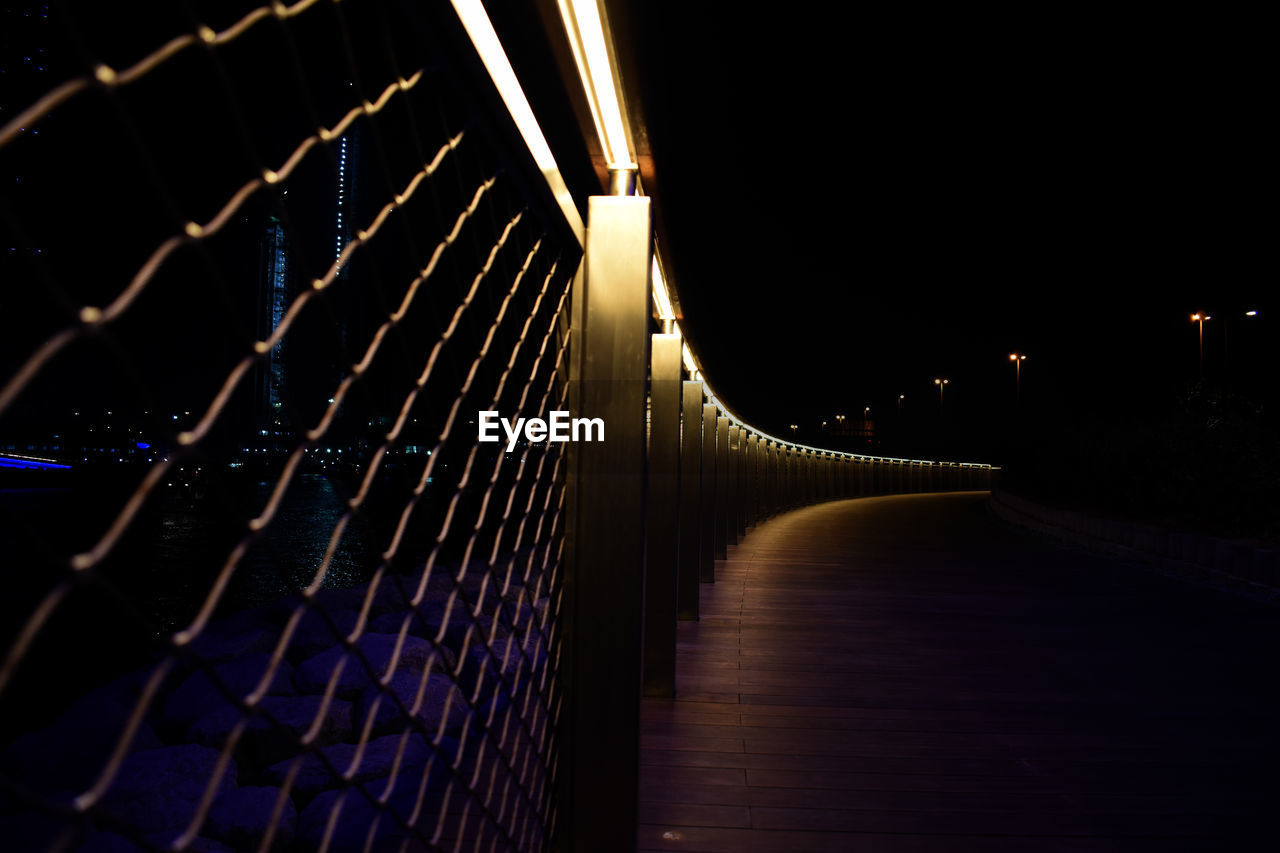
(794, 427)
(1017, 358)
(942, 386)
(901, 397)
(866, 413)
(1199, 317)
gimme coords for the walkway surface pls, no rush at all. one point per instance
(909, 674)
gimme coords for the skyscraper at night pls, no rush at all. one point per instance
(274, 293)
(277, 288)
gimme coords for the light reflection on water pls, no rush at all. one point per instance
(169, 561)
(285, 557)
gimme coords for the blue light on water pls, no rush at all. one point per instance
(11, 462)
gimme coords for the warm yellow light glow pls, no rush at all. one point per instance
(586, 32)
(686, 355)
(591, 54)
(661, 298)
(480, 30)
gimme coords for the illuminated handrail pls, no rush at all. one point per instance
(586, 28)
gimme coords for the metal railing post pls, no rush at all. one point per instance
(735, 487)
(691, 487)
(784, 479)
(806, 477)
(740, 498)
(707, 502)
(810, 477)
(775, 495)
(768, 481)
(794, 492)
(604, 578)
(662, 518)
(722, 487)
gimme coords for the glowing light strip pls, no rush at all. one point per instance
(480, 30)
(733, 417)
(661, 298)
(585, 30)
(690, 365)
(586, 37)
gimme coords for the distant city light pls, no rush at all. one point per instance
(30, 462)
(342, 193)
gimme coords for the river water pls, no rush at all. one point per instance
(161, 572)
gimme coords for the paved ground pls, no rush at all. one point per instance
(909, 674)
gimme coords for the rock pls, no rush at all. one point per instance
(109, 842)
(156, 791)
(241, 818)
(358, 814)
(200, 844)
(349, 598)
(314, 673)
(208, 845)
(425, 622)
(263, 742)
(64, 760)
(392, 596)
(376, 763)
(439, 694)
(231, 638)
(197, 696)
(314, 634)
(30, 831)
(508, 661)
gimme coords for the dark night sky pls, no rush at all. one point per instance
(858, 204)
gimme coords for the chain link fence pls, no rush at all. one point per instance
(263, 264)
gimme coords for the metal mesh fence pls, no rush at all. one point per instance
(263, 264)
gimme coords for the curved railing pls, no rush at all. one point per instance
(273, 586)
(681, 476)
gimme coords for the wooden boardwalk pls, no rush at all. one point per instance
(907, 674)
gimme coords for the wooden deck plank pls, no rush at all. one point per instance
(854, 685)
